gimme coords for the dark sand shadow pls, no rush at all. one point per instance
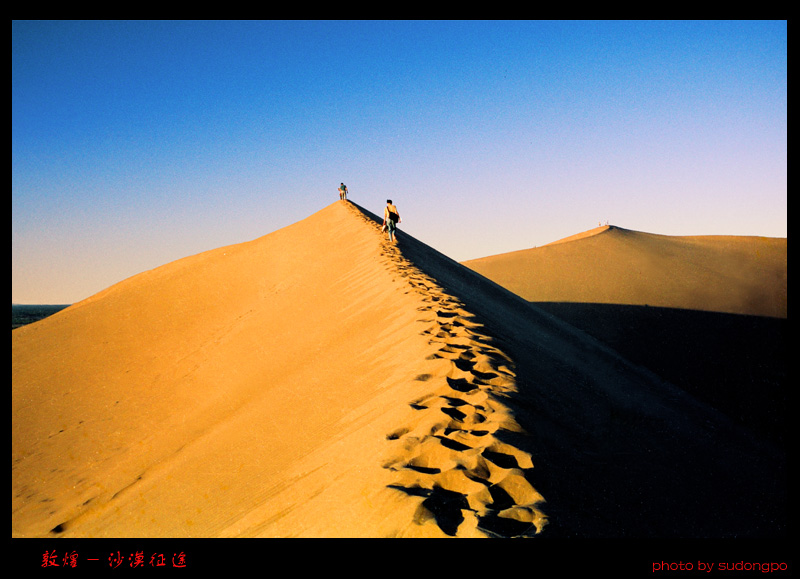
(733, 362)
(619, 450)
(638, 447)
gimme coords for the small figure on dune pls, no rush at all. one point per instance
(391, 217)
(343, 192)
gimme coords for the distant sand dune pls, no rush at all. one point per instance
(320, 382)
(706, 313)
(611, 265)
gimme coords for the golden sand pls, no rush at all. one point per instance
(611, 265)
(321, 382)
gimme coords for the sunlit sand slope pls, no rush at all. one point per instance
(320, 382)
(611, 265)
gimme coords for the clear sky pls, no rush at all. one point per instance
(138, 143)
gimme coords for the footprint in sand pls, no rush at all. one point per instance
(471, 483)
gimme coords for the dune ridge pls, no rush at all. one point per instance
(473, 483)
(320, 382)
(208, 374)
(588, 233)
(183, 377)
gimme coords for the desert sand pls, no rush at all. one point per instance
(321, 382)
(707, 313)
(612, 265)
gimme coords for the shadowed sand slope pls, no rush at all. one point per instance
(611, 265)
(706, 313)
(319, 382)
(618, 451)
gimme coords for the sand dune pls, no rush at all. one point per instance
(707, 313)
(320, 382)
(611, 265)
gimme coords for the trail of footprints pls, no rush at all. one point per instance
(471, 483)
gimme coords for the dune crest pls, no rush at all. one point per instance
(265, 389)
(320, 382)
(472, 483)
(589, 233)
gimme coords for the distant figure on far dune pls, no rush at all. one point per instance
(343, 192)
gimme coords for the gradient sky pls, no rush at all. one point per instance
(138, 143)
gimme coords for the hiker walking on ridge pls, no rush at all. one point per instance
(343, 192)
(390, 219)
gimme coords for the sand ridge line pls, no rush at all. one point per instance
(469, 483)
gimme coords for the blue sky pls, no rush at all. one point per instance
(138, 143)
